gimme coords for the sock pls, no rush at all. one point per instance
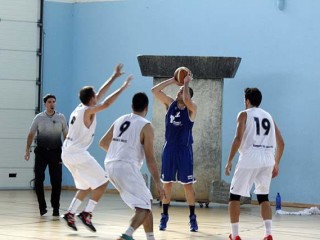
(75, 203)
(165, 209)
(191, 208)
(268, 226)
(150, 236)
(235, 229)
(90, 206)
(129, 231)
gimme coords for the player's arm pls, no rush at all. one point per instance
(279, 151)
(105, 87)
(241, 124)
(89, 113)
(147, 139)
(192, 107)
(157, 91)
(105, 141)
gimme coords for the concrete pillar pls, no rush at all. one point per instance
(208, 76)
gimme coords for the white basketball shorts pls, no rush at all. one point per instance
(86, 171)
(244, 179)
(127, 178)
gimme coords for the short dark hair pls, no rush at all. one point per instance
(140, 101)
(85, 94)
(253, 95)
(47, 96)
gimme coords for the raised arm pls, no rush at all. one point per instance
(192, 107)
(88, 115)
(105, 87)
(160, 95)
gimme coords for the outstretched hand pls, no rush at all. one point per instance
(128, 81)
(118, 70)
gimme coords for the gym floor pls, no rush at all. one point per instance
(20, 219)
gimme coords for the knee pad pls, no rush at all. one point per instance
(262, 198)
(234, 197)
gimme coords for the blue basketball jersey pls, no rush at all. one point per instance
(178, 125)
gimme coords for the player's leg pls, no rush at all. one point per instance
(185, 176)
(241, 184)
(95, 177)
(128, 180)
(262, 184)
(148, 226)
(168, 176)
(234, 214)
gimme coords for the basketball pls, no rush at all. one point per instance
(180, 73)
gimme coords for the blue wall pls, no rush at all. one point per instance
(279, 51)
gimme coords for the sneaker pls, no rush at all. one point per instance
(193, 223)
(163, 222)
(55, 213)
(237, 237)
(43, 212)
(69, 217)
(125, 237)
(85, 218)
(269, 237)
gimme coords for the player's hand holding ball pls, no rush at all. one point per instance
(182, 74)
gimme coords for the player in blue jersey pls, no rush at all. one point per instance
(177, 155)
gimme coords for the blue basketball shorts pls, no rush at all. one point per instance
(177, 164)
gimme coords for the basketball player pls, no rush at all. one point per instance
(88, 175)
(128, 142)
(260, 145)
(177, 155)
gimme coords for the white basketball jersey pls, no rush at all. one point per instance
(259, 140)
(79, 137)
(126, 145)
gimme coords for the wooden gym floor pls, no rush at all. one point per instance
(20, 219)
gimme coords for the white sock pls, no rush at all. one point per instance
(75, 203)
(235, 229)
(150, 236)
(129, 231)
(268, 226)
(90, 206)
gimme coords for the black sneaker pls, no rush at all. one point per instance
(55, 213)
(43, 212)
(69, 217)
(85, 218)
